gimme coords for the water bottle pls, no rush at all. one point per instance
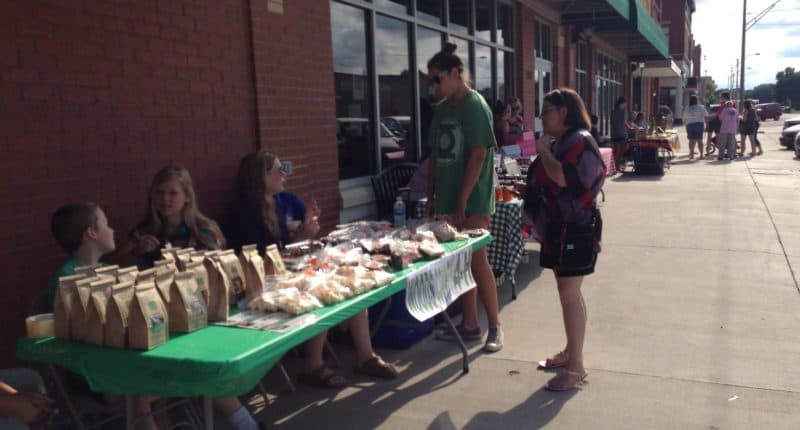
(399, 213)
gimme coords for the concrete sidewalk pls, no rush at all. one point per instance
(694, 322)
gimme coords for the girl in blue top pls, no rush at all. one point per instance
(262, 213)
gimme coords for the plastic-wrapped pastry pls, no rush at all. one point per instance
(444, 232)
(268, 301)
(298, 282)
(330, 292)
(431, 249)
(299, 303)
(424, 236)
(380, 277)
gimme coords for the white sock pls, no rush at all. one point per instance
(242, 420)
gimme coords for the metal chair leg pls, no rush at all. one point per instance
(335, 357)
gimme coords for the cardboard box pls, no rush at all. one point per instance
(148, 321)
(127, 274)
(96, 311)
(165, 276)
(80, 306)
(218, 286)
(233, 268)
(117, 312)
(200, 273)
(253, 266)
(62, 306)
(187, 311)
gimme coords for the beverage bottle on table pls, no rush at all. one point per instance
(399, 213)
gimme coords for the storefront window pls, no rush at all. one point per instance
(505, 25)
(429, 42)
(430, 10)
(483, 71)
(398, 6)
(459, 15)
(354, 139)
(581, 65)
(384, 99)
(484, 19)
(544, 41)
(609, 87)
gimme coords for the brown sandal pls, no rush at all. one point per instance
(323, 377)
(377, 368)
(556, 361)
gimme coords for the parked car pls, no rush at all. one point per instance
(787, 109)
(797, 146)
(399, 125)
(769, 110)
(788, 136)
(790, 122)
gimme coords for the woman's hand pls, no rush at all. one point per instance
(543, 143)
(145, 243)
(311, 221)
(31, 408)
(459, 214)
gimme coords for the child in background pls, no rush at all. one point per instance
(82, 231)
(173, 217)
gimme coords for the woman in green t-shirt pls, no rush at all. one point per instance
(461, 181)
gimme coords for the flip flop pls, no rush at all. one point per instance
(553, 384)
(554, 362)
(377, 368)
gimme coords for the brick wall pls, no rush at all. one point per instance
(296, 104)
(525, 61)
(96, 96)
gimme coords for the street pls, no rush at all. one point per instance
(694, 321)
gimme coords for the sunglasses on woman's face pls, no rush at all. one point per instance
(437, 79)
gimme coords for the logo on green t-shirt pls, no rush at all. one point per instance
(450, 143)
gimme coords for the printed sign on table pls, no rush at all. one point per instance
(433, 288)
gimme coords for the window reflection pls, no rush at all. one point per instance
(398, 6)
(483, 71)
(429, 42)
(353, 134)
(501, 77)
(459, 15)
(484, 18)
(505, 25)
(430, 10)
(394, 90)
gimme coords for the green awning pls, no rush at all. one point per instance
(649, 28)
(625, 23)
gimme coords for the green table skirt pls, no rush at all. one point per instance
(214, 361)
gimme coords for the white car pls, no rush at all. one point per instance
(797, 146)
(788, 136)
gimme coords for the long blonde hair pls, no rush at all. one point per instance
(250, 186)
(190, 213)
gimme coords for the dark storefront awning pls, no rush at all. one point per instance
(625, 23)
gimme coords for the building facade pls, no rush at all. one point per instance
(97, 96)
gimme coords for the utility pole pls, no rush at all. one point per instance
(741, 63)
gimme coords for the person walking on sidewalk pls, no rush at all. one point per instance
(561, 198)
(695, 119)
(729, 119)
(749, 129)
(461, 182)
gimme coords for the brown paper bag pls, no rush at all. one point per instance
(87, 270)
(80, 305)
(233, 268)
(165, 276)
(165, 264)
(146, 276)
(273, 262)
(183, 257)
(107, 271)
(148, 321)
(116, 333)
(62, 306)
(218, 286)
(96, 311)
(127, 274)
(187, 311)
(253, 266)
(200, 273)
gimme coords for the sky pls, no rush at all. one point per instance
(775, 37)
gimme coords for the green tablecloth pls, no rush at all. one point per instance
(215, 361)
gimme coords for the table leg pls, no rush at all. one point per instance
(465, 364)
(208, 414)
(130, 418)
(62, 391)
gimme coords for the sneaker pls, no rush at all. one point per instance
(467, 334)
(494, 340)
